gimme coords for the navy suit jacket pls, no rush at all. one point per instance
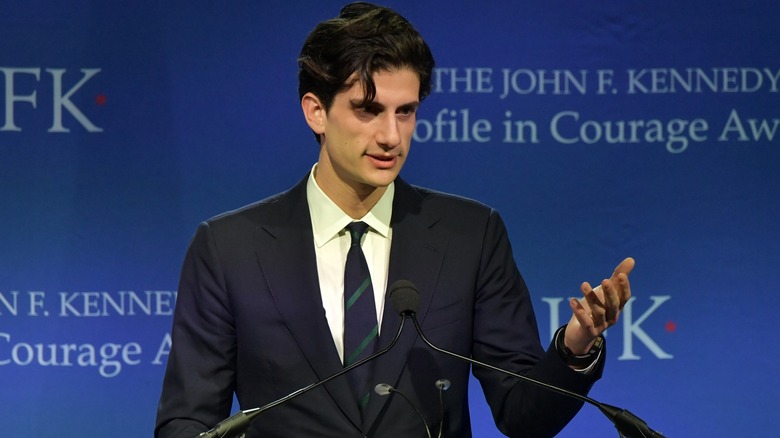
(249, 319)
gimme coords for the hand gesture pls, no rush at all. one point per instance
(598, 309)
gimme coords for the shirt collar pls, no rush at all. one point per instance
(328, 220)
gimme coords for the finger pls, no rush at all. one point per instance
(625, 290)
(581, 313)
(611, 302)
(620, 280)
(583, 317)
(586, 289)
(595, 305)
(625, 267)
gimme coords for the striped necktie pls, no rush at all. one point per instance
(360, 324)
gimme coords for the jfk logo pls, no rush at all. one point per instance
(61, 98)
(631, 326)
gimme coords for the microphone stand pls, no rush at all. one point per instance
(627, 424)
(238, 424)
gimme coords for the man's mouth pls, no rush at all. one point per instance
(383, 161)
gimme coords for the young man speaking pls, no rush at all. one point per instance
(287, 291)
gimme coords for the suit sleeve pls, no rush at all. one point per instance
(200, 376)
(506, 335)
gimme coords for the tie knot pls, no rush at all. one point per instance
(356, 231)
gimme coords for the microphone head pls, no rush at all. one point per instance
(443, 384)
(383, 389)
(404, 298)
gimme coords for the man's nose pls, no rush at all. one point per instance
(389, 133)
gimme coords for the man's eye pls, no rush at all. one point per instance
(406, 111)
(370, 110)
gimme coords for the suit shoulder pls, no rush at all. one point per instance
(255, 209)
(437, 199)
(275, 211)
(271, 210)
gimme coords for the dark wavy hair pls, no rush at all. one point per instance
(362, 40)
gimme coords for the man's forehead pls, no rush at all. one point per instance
(356, 90)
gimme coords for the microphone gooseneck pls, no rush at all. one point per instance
(627, 424)
(385, 389)
(238, 424)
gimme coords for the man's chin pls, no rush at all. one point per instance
(383, 179)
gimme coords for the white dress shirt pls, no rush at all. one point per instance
(331, 244)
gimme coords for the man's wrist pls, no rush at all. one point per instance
(577, 361)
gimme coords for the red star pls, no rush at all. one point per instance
(671, 326)
(101, 99)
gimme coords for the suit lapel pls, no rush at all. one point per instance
(285, 252)
(416, 254)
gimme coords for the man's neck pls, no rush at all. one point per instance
(356, 202)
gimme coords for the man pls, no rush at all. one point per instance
(261, 308)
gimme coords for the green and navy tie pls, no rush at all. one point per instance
(360, 324)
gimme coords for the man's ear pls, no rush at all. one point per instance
(314, 112)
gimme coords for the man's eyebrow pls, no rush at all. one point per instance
(410, 106)
(359, 103)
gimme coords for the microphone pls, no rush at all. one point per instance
(627, 424)
(385, 389)
(238, 424)
(442, 385)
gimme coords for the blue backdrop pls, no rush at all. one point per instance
(599, 130)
